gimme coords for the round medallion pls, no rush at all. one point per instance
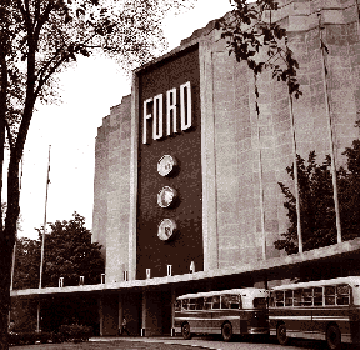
(166, 229)
(166, 196)
(165, 165)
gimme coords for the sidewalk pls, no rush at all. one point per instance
(205, 342)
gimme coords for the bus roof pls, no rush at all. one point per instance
(243, 292)
(351, 280)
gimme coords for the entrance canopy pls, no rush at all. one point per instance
(339, 261)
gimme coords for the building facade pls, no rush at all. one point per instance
(186, 171)
(197, 105)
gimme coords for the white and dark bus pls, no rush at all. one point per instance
(322, 310)
(227, 312)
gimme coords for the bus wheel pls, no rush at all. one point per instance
(186, 331)
(281, 334)
(333, 338)
(226, 332)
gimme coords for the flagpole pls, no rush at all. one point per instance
(43, 243)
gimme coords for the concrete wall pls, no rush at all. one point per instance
(242, 205)
(245, 165)
(112, 186)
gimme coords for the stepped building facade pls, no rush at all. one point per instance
(197, 106)
(186, 172)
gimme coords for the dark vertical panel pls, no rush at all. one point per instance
(152, 253)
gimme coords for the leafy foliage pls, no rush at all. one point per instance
(27, 262)
(317, 207)
(261, 43)
(69, 253)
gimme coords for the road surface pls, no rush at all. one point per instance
(176, 344)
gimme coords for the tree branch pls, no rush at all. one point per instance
(37, 11)
(43, 18)
(52, 70)
(21, 9)
(7, 126)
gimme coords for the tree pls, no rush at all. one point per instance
(27, 262)
(349, 192)
(317, 206)
(38, 38)
(69, 253)
(317, 211)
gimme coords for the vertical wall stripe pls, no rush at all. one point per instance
(133, 174)
(331, 135)
(208, 161)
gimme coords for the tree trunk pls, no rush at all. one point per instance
(5, 268)
(5, 244)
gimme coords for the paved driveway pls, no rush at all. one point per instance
(174, 344)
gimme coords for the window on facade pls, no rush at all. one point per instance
(216, 302)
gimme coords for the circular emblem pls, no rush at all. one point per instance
(166, 196)
(165, 165)
(166, 229)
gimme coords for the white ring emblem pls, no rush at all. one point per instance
(166, 196)
(165, 165)
(166, 229)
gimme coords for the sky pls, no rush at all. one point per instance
(87, 91)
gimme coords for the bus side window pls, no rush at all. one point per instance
(235, 302)
(259, 302)
(225, 301)
(207, 303)
(272, 298)
(177, 305)
(192, 304)
(329, 295)
(216, 302)
(184, 304)
(318, 296)
(199, 303)
(279, 298)
(297, 297)
(288, 297)
(306, 298)
(343, 294)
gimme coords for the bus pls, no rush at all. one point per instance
(227, 312)
(322, 310)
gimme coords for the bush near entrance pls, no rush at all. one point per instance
(20, 338)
